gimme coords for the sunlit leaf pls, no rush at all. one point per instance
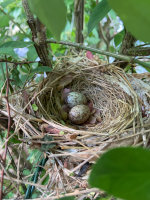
(35, 107)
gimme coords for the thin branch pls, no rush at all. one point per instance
(102, 35)
(38, 31)
(118, 56)
(11, 19)
(138, 51)
(18, 63)
(76, 192)
(24, 182)
(8, 132)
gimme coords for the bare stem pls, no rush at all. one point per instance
(106, 53)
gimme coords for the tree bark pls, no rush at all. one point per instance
(38, 36)
(79, 20)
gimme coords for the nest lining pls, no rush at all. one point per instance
(109, 92)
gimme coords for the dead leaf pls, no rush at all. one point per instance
(71, 136)
(49, 129)
(89, 55)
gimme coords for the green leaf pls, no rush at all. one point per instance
(67, 198)
(14, 140)
(45, 181)
(52, 13)
(15, 77)
(4, 20)
(8, 48)
(46, 147)
(135, 15)
(34, 106)
(16, 44)
(123, 172)
(41, 69)
(119, 37)
(5, 3)
(99, 12)
(32, 54)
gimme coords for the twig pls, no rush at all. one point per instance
(11, 19)
(118, 56)
(77, 192)
(18, 63)
(8, 132)
(138, 51)
(24, 182)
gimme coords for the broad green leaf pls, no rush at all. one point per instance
(16, 44)
(52, 13)
(67, 198)
(119, 37)
(32, 54)
(123, 172)
(135, 15)
(8, 48)
(8, 51)
(99, 12)
(4, 20)
(41, 69)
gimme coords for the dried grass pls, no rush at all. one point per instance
(109, 89)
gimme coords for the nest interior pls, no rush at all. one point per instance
(106, 87)
(116, 118)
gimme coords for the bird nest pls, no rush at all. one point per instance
(115, 117)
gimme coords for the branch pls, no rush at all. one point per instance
(75, 193)
(11, 19)
(8, 132)
(18, 63)
(79, 18)
(118, 56)
(138, 51)
(38, 35)
(127, 43)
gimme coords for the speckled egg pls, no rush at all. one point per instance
(79, 114)
(75, 98)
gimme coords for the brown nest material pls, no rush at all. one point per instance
(106, 87)
(116, 117)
